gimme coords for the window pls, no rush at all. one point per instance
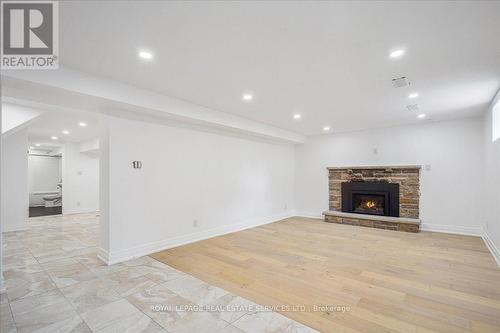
(496, 122)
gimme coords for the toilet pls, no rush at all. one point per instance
(53, 200)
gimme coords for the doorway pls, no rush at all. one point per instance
(45, 181)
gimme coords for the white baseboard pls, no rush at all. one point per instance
(142, 250)
(2, 282)
(80, 211)
(449, 229)
(103, 255)
(452, 229)
(491, 246)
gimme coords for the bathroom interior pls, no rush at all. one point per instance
(53, 162)
(45, 181)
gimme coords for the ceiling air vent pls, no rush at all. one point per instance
(400, 82)
(412, 107)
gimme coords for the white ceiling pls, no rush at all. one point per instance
(326, 60)
(52, 123)
(14, 115)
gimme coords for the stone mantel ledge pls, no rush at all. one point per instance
(375, 167)
(392, 219)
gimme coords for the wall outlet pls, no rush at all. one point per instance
(286, 207)
(195, 223)
(428, 167)
(79, 173)
(375, 151)
(78, 203)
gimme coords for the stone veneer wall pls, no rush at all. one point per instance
(408, 179)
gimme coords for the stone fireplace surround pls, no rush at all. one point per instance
(408, 178)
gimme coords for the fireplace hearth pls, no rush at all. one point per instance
(372, 198)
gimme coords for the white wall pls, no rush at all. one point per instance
(492, 185)
(44, 173)
(80, 180)
(450, 192)
(90, 146)
(14, 201)
(223, 182)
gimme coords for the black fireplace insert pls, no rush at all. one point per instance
(371, 198)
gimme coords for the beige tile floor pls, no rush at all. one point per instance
(54, 282)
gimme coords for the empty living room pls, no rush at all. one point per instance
(250, 166)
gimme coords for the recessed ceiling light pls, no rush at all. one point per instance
(54, 137)
(37, 144)
(326, 128)
(145, 55)
(421, 116)
(247, 97)
(397, 53)
(65, 132)
(82, 124)
(413, 95)
(297, 116)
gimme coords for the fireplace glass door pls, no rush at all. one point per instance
(368, 204)
(374, 198)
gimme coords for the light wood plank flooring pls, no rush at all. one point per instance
(392, 281)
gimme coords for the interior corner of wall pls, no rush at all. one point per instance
(490, 244)
(103, 255)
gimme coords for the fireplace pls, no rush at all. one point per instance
(375, 198)
(384, 197)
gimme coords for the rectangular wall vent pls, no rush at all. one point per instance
(413, 107)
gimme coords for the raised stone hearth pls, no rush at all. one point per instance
(408, 180)
(373, 221)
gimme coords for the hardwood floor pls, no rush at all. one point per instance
(392, 281)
